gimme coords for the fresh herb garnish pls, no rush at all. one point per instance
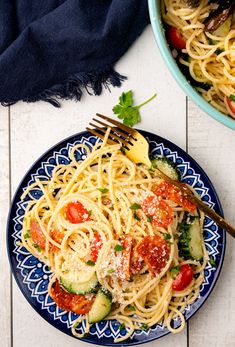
(175, 270)
(151, 168)
(126, 111)
(90, 212)
(149, 219)
(27, 235)
(232, 97)
(37, 247)
(218, 51)
(90, 263)
(131, 279)
(103, 190)
(111, 271)
(131, 308)
(118, 248)
(166, 236)
(135, 206)
(212, 262)
(144, 326)
(137, 217)
(122, 326)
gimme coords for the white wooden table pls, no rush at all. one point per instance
(28, 130)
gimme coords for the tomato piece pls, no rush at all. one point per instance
(175, 39)
(155, 251)
(170, 192)
(162, 214)
(231, 106)
(77, 213)
(37, 235)
(79, 304)
(57, 236)
(96, 245)
(183, 278)
(124, 259)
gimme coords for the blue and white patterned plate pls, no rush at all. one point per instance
(32, 276)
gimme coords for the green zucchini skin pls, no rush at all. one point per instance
(90, 286)
(190, 240)
(167, 167)
(101, 306)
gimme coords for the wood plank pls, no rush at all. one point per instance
(36, 127)
(212, 145)
(5, 288)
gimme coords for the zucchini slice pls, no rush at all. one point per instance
(190, 240)
(80, 288)
(101, 306)
(167, 167)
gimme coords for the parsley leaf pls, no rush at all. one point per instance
(90, 212)
(232, 97)
(126, 111)
(149, 219)
(167, 236)
(131, 308)
(135, 206)
(27, 235)
(122, 326)
(90, 263)
(144, 327)
(175, 270)
(111, 271)
(212, 262)
(103, 190)
(118, 248)
(37, 247)
(137, 217)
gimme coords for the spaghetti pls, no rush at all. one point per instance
(116, 223)
(209, 57)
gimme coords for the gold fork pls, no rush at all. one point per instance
(137, 149)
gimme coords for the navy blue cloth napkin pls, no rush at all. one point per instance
(54, 49)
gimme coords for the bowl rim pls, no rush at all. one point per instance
(158, 30)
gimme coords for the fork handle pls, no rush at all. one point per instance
(213, 215)
(186, 192)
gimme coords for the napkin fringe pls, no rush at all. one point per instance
(74, 87)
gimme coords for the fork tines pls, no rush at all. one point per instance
(118, 134)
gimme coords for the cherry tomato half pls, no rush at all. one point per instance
(162, 214)
(79, 304)
(155, 251)
(57, 236)
(37, 235)
(175, 39)
(183, 278)
(77, 213)
(96, 245)
(170, 192)
(231, 106)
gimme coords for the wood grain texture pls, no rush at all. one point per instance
(5, 275)
(36, 127)
(212, 146)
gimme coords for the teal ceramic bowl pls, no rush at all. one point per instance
(159, 33)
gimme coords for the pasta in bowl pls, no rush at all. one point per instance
(197, 40)
(121, 244)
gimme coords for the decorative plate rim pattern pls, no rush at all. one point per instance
(32, 277)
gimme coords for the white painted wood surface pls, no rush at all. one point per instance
(32, 128)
